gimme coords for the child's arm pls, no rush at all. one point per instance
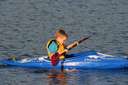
(71, 45)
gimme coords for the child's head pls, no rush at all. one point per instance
(61, 36)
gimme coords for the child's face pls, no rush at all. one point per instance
(62, 39)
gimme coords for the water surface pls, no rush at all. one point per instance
(26, 25)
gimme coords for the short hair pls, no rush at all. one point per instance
(62, 32)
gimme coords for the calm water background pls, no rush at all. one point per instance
(26, 25)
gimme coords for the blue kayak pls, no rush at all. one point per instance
(82, 60)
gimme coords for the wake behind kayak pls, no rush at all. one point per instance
(82, 60)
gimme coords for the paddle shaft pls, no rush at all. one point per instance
(79, 41)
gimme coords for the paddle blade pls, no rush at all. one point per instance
(82, 40)
(55, 59)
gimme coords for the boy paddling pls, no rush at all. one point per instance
(57, 45)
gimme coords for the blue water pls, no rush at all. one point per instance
(11, 76)
(26, 25)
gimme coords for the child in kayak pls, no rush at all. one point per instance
(57, 45)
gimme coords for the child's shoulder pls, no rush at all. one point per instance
(50, 41)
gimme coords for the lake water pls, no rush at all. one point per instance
(26, 25)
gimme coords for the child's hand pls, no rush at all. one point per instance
(76, 42)
(71, 45)
(66, 50)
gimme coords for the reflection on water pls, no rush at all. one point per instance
(57, 78)
(13, 76)
(88, 77)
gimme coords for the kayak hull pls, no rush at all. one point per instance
(82, 60)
